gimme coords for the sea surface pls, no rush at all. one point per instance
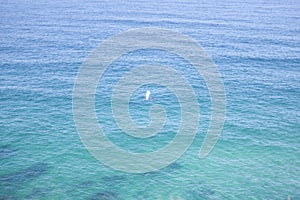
(255, 46)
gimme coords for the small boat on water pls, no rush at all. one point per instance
(148, 95)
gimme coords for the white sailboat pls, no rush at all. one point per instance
(148, 95)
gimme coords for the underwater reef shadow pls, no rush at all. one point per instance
(13, 182)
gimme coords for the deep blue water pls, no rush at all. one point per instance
(256, 47)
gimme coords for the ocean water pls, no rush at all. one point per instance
(255, 46)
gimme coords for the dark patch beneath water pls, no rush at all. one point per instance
(85, 184)
(15, 181)
(174, 166)
(199, 191)
(114, 178)
(6, 151)
(26, 174)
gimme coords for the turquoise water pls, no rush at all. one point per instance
(256, 47)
